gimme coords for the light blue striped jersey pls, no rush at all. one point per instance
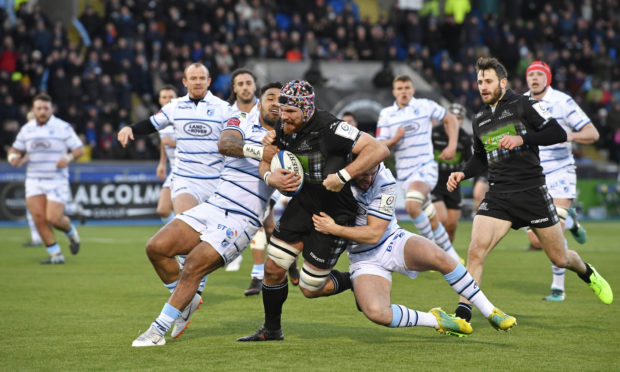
(571, 118)
(198, 128)
(241, 188)
(45, 145)
(170, 151)
(378, 201)
(415, 148)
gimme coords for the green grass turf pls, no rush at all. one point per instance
(84, 315)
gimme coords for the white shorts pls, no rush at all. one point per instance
(562, 184)
(426, 173)
(55, 189)
(198, 188)
(167, 182)
(384, 260)
(229, 233)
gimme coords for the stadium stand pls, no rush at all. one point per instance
(128, 49)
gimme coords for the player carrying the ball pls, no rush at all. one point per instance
(325, 146)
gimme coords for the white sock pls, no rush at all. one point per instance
(443, 240)
(464, 284)
(568, 224)
(34, 233)
(53, 249)
(258, 271)
(172, 286)
(558, 274)
(402, 316)
(424, 226)
(166, 318)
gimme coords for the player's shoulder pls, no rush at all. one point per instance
(215, 100)
(384, 178)
(58, 122)
(557, 96)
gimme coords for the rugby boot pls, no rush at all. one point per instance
(149, 338)
(264, 334)
(255, 286)
(556, 295)
(578, 232)
(182, 322)
(600, 287)
(293, 274)
(54, 259)
(450, 325)
(499, 320)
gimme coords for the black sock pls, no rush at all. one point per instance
(342, 281)
(586, 276)
(463, 311)
(274, 297)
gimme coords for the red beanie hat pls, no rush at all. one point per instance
(540, 66)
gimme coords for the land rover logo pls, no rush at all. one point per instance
(413, 127)
(197, 129)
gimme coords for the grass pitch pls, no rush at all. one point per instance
(84, 315)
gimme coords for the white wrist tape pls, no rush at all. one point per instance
(12, 156)
(343, 176)
(253, 151)
(69, 157)
(265, 176)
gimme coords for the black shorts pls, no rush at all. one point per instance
(532, 207)
(320, 250)
(452, 200)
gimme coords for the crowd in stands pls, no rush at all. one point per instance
(133, 47)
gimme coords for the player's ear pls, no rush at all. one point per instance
(503, 83)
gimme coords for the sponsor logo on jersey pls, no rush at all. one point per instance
(491, 140)
(40, 145)
(198, 129)
(484, 122)
(505, 114)
(210, 112)
(413, 127)
(230, 233)
(233, 122)
(183, 107)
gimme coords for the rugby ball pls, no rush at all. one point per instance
(287, 160)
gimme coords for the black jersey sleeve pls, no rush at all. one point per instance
(546, 130)
(143, 127)
(477, 164)
(342, 137)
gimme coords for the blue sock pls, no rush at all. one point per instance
(71, 232)
(172, 286)
(424, 226)
(164, 321)
(258, 271)
(165, 220)
(53, 249)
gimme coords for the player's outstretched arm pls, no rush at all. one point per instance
(368, 234)
(124, 136)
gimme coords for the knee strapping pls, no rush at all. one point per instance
(562, 213)
(416, 196)
(283, 254)
(259, 241)
(312, 279)
(429, 209)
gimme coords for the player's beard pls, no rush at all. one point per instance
(495, 96)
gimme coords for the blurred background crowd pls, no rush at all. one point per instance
(108, 74)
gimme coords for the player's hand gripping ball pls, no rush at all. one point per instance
(287, 160)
